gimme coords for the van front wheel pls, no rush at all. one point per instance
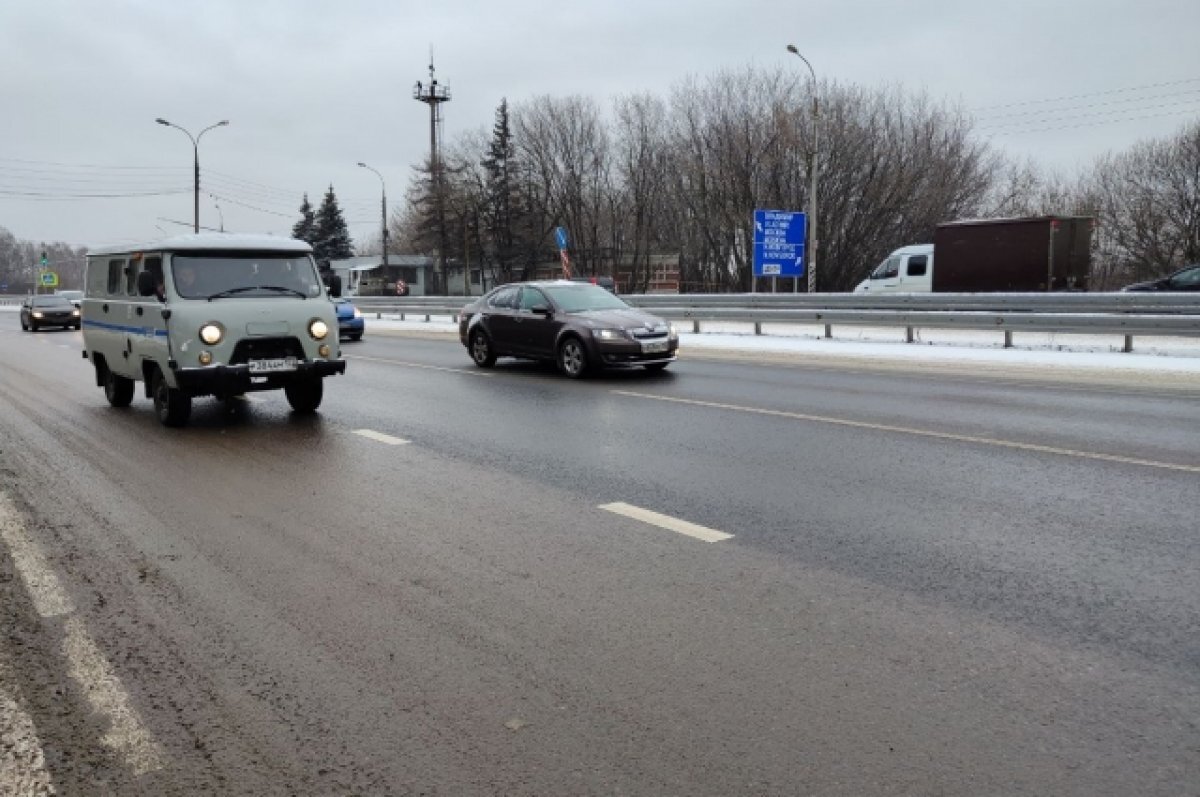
(304, 394)
(171, 405)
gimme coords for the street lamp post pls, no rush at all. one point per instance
(196, 162)
(812, 171)
(220, 215)
(383, 186)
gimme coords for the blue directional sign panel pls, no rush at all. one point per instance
(779, 243)
(560, 235)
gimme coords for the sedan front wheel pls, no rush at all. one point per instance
(572, 358)
(481, 350)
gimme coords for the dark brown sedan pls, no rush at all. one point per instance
(580, 327)
(48, 311)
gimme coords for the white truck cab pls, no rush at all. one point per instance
(909, 269)
(209, 314)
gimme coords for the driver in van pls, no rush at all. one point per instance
(185, 280)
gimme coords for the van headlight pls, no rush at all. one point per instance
(318, 329)
(211, 333)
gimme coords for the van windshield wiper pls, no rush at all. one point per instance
(247, 288)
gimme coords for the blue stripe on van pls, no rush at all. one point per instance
(147, 331)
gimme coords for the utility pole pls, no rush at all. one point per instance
(434, 95)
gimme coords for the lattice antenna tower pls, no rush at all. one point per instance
(434, 94)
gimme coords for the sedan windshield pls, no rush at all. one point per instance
(51, 302)
(224, 275)
(582, 298)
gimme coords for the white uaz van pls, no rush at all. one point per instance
(209, 314)
(909, 269)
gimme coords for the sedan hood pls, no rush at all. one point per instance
(626, 318)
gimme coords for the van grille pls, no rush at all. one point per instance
(265, 348)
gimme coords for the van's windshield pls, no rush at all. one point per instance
(210, 276)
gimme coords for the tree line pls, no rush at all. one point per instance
(680, 177)
(648, 178)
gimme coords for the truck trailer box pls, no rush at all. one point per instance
(1043, 253)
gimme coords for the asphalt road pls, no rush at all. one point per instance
(446, 582)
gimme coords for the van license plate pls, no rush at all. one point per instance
(654, 346)
(273, 365)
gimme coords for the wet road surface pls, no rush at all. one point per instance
(455, 581)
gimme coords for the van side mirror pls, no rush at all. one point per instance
(147, 283)
(334, 283)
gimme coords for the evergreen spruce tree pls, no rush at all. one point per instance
(306, 229)
(332, 239)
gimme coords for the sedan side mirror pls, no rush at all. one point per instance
(540, 309)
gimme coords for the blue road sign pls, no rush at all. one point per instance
(560, 235)
(779, 243)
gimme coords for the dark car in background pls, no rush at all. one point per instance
(48, 311)
(578, 326)
(1185, 279)
(350, 320)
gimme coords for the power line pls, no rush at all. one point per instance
(1112, 104)
(1020, 123)
(1003, 133)
(1094, 94)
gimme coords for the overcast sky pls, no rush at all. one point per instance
(312, 88)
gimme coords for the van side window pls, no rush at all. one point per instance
(154, 266)
(116, 270)
(917, 265)
(887, 269)
(131, 273)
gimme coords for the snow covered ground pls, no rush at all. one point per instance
(1174, 360)
(1031, 350)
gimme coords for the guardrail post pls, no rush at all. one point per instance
(757, 328)
(1008, 338)
(696, 326)
(1128, 343)
(378, 316)
(909, 334)
(426, 319)
(829, 330)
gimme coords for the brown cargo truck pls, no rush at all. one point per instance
(1044, 253)
(1020, 255)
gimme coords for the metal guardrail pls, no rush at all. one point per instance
(1120, 314)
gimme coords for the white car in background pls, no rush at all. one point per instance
(74, 297)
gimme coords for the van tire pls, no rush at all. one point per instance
(172, 406)
(117, 389)
(305, 394)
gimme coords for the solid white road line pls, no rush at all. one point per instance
(381, 437)
(959, 438)
(85, 663)
(22, 764)
(666, 522)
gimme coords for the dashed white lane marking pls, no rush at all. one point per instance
(666, 522)
(22, 764)
(959, 438)
(370, 434)
(85, 663)
(466, 371)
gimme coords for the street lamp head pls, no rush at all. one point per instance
(791, 48)
(360, 163)
(162, 121)
(222, 123)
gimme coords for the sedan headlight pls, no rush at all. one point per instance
(211, 333)
(608, 334)
(75, 312)
(673, 330)
(318, 329)
(357, 313)
(38, 314)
